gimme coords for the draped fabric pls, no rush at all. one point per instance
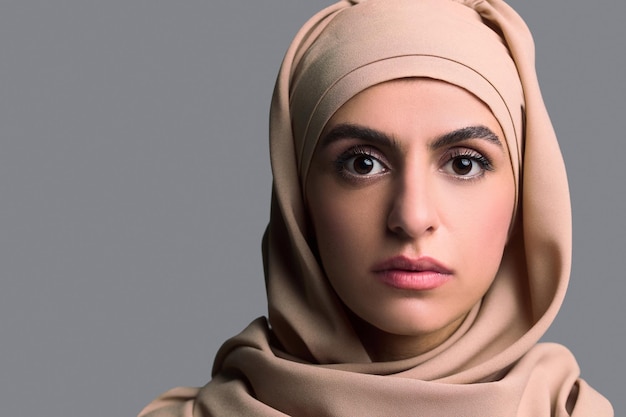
(306, 359)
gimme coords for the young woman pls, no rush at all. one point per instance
(420, 238)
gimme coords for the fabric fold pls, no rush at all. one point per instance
(306, 359)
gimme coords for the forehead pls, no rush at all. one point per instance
(414, 108)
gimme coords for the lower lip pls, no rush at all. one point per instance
(413, 280)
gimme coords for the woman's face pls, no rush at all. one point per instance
(411, 195)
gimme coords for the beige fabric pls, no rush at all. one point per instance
(311, 363)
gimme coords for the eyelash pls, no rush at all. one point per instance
(465, 153)
(355, 151)
(450, 156)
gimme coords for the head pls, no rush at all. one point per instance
(398, 130)
(411, 195)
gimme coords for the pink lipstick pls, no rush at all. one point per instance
(420, 274)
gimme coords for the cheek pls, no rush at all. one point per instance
(341, 224)
(484, 225)
(347, 224)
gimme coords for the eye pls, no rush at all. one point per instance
(360, 162)
(466, 164)
(364, 165)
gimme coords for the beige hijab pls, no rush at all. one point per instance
(306, 360)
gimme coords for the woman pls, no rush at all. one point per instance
(419, 242)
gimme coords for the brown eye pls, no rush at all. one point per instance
(462, 166)
(362, 165)
(361, 162)
(466, 164)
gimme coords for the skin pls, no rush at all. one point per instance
(417, 169)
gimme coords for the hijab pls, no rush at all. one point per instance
(306, 359)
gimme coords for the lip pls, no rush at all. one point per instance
(416, 274)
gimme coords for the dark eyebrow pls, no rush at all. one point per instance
(466, 133)
(348, 130)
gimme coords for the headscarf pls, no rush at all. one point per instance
(306, 358)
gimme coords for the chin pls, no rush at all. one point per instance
(412, 322)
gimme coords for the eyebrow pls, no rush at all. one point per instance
(349, 130)
(354, 131)
(466, 133)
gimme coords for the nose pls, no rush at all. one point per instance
(414, 210)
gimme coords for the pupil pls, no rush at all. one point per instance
(462, 166)
(363, 165)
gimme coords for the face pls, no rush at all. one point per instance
(411, 194)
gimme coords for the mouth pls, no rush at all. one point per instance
(416, 274)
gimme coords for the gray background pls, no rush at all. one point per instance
(135, 182)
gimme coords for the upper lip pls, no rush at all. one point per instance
(404, 263)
